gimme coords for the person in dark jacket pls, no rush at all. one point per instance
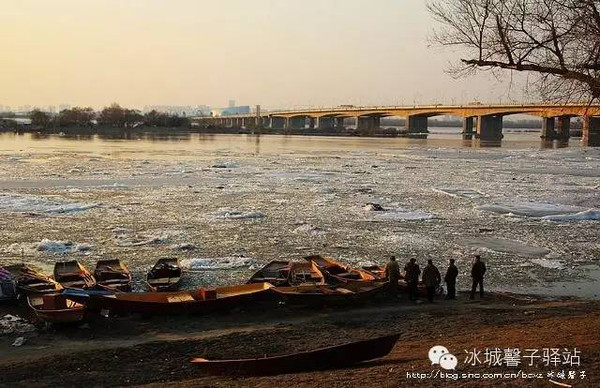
(392, 274)
(432, 279)
(411, 275)
(477, 271)
(450, 279)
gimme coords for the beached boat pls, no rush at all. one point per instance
(379, 272)
(318, 295)
(56, 308)
(276, 272)
(165, 275)
(113, 275)
(71, 274)
(330, 357)
(193, 301)
(31, 281)
(340, 273)
(305, 273)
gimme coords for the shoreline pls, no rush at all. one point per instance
(123, 350)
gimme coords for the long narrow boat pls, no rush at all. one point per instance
(71, 274)
(165, 275)
(320, 359)
(55, 308)
(275, 272)
(196, 301)
(31, 281)
(319, 295)
(340, 273)
(379, 272)
(113, 275)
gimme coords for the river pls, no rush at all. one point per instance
(226, 204)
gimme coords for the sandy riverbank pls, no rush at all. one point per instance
(156, 351)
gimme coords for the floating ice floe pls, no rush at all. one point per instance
(52, 246)
(401, 214)
(123, 240)
(184, 247)
(21, 203)
(10, 324)
(547, 263)
(233, 214)
(309, 229)
(217, 263)
(459, 192)
(586, 215)
(501, 245)
(544, 211)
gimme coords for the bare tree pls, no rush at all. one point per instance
(558, 40)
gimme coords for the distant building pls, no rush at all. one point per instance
(232, 110)
(179, 110)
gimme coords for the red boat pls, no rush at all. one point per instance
(320, 359)
(193, 301)
(55, 308)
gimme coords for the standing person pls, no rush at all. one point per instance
(392, 274)
(477, 272)
(450, 279)
(411, 275)
(431, 278)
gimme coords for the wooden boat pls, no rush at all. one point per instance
(195, 301)
(55, 308)
(275, 272)
(318, 295)
(165, 275)
(305, 273)
(113, 275)
(340, 273)
(31, 281)
(320, 359)
(71, 274)
(379, 272)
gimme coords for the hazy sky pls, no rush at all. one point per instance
(277, 53)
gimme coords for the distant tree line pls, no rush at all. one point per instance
(111, 116)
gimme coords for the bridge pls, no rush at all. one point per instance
(481, 121)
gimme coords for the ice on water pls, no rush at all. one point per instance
(22, 203)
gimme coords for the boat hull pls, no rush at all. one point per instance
(148, 303)
(325, 358)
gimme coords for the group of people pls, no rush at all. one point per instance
(432, 278)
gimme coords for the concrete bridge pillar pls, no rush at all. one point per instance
(416, 124)
(467, 128)
(325, 123)
(339, 123)
(591, 131)
(548, 128)
(489, 127)
(311, 122)
(563, 127)
(364, 125)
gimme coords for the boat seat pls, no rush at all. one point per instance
(113, 281)
(159, 281)
(344, 291)
(180, 298)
